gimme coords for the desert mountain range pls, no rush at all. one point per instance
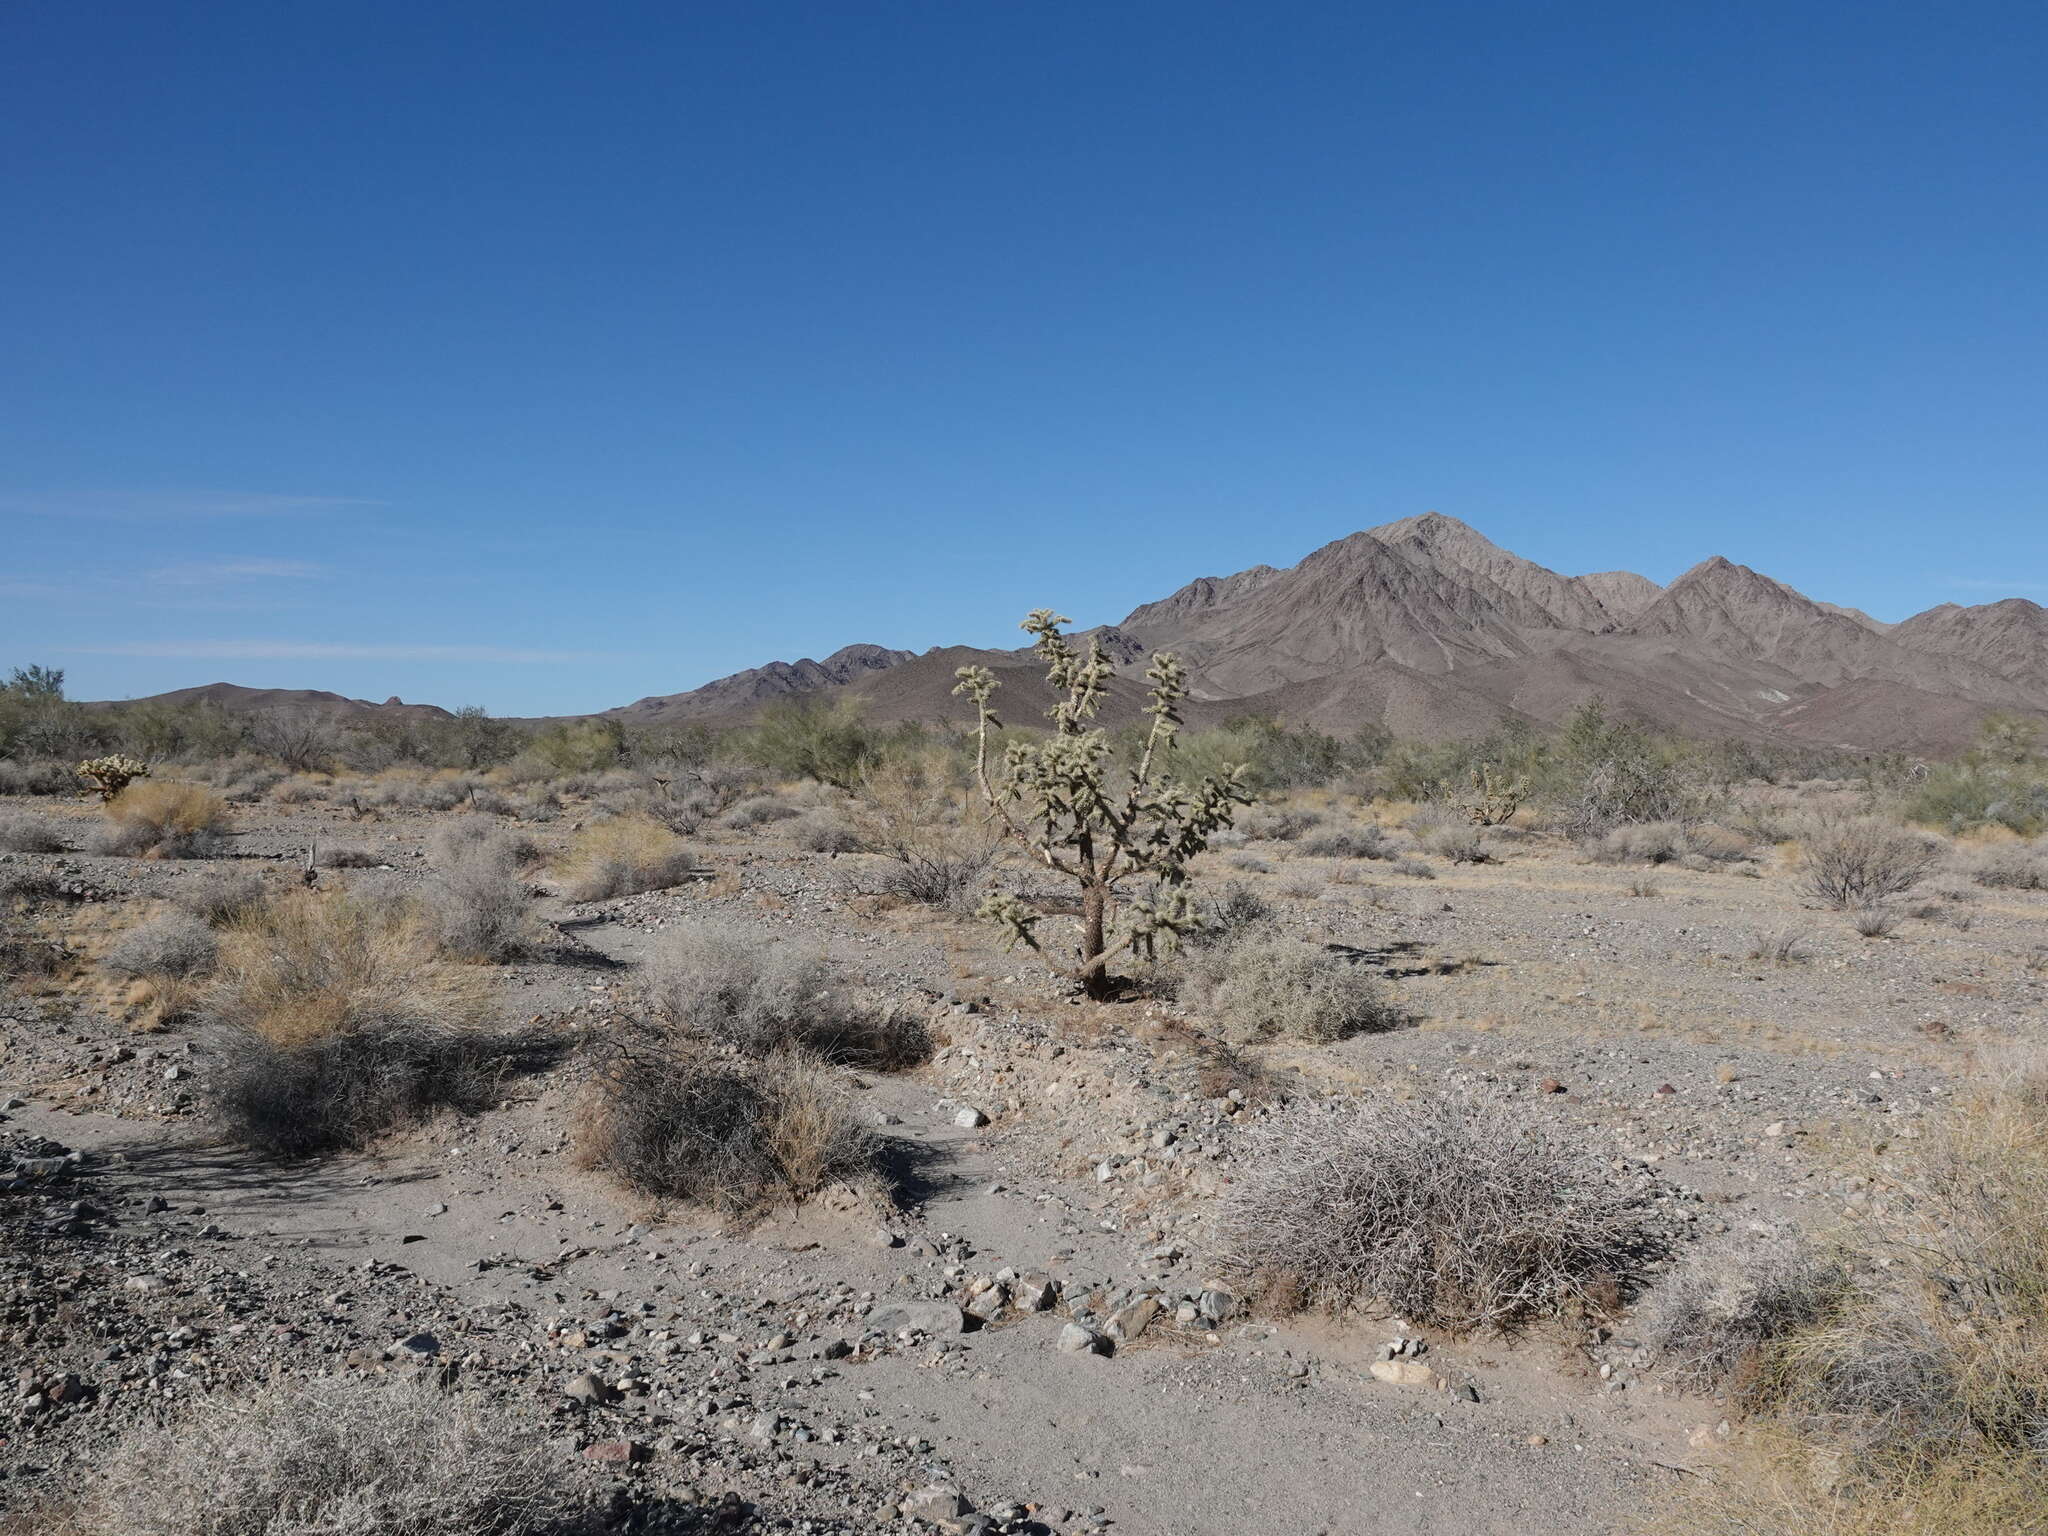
(1426, 627)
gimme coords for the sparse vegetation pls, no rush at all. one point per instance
(623, 856)
(337, 1455)
(1457, 1213)
(1713, 1319)
(1367, 842)
(1263, 985)
(480, 901)
(764, 998)
(26, 832)
(163, 819)
(165, 956)
(1858, 861)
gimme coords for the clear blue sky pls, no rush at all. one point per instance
(546, 356)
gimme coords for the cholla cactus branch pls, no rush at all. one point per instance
(111, 775)
(1060, 800)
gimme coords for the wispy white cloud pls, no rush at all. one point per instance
(306, 650)
(155, 506)
(202, 573)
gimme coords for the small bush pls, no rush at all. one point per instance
(623, 856)
(1369, 842)
(337, 1019)
(2021, 867)
(768, 998)
(732, 1135)
(1714, 1318)
(164, 819)
(174, 945)
(1266, 986)
(1455, 1213)
(1860, 861)
(26, 832)
(37, 778)
(1648, 842)
(823, 832)
(480, 902)
(336, 1455)
(1415, 869)
(758, 812)
(1875, 922)
(1460, 843)
(468, 834)
(221, 899)
(1278, 823)
(1234, 911)
(1785, 947)
(937, 852)
(344, 857)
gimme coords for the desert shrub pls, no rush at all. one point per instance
(1858, 861)
(758, 812)
(1784, 947)
(1918, 1403)
(1249, 864)
(1415, 869)
(345, 856)
(2021, 867)
(24, 954)
(1649, 842)
(763, 998)
(26, 832)
(1461, 843)
(36, 778)
(1367, 842)
(1715, 1317)
(301, 791)
(473, 834)
(337, 1455)
(480, 902)
(1266, 986)
(622, 856)
(812, 738)
(163, 819)
(223, 898)
(1278, 823)
(909, 811)
(176, 944)
(1230, 913)
(336, 1019)
(689, 1124)
(823, 832)
(1955, 797)
(1453, 1212)
(1875, 922)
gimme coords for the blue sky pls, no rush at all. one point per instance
(547, 356)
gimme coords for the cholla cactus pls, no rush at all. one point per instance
(111, 775)
(1055, 798)
(1494, 797)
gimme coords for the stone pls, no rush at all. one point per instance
(1077, 1340)
(989, 1305)
(1550, 1085)
(1216, 1304)
(1127, 1324)
(970, 1119)
(616, 1453)
(1402, 1373)
(938, 1318)
(937, 1504)
(591, 1389)
(1034, 1293)
(419, 1344)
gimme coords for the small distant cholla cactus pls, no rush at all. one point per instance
(111, 775)
(1062, 800)
(1494, 798)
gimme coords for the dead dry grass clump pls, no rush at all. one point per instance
(1918, 1402)
(758, 812)
(163, 819)
(1454, 1212)
(621, 857)
(1858, 861)
(479, 899)
(824, 831)
(165, 956)
(681, 1122)
(2017, 867)
(1233, 912)
(1787, 946)
(1264, 985)
(764, 998)
(1354, 842)
(1278, 823)
(908, 810)
(223, 898)
(337, 1456)
(1715, 1317)
(26, 832)
(337, 1018)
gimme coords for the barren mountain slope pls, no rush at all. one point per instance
(2009, 637)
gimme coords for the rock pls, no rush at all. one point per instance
(1550, 1085)
(989, 1305)
(941, 1319)
(616, 1453)
(1128, 1323)
(884, 1238)
(419, 1344)
(1077, 1340)
(937, 1504)
(1402, 1373)
(1538, 1440)
(1034, 1293)
(1216, 1304)
(591, 1389)
(970, 1119)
